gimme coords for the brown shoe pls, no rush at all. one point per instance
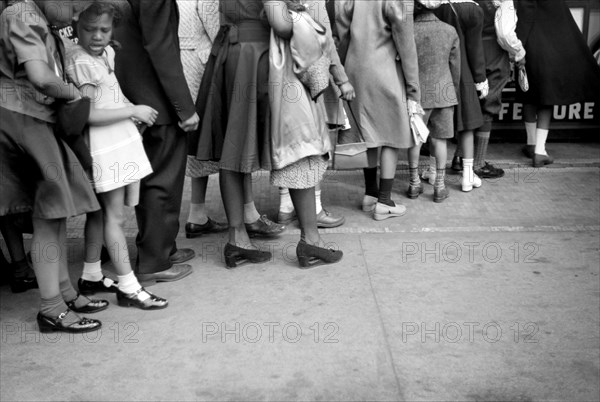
(194, 230)
(182, 255)
(414, 190)
(326, 219)
(175, 273)
(263, 226)
(440, 194)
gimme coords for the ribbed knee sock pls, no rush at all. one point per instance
(385, 192)
(414, 176)
(439, 178)
(481, 145)
(371, 187)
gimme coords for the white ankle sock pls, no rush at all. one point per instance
(541, 136)
(197, 214)
(128, 283)
(530, 128)
(251, 215)
(92, 271)
(285, 201)
(318, 201)
(468, 169)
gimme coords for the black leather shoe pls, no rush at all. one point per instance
(264, 227)
(235, 255)
(21, 277)
(136, 299)
(48, 324)
(22, 284)
(414, 191)
(175, 273)
(310, 256)
(93, 306)
(489, 171)
(90, 287)
(182, 255)
(528, 151)
(457, 164)
(326, 219)
(194, 230)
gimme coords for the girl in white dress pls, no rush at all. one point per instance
(114, 141)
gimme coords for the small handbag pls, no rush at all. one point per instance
(522, 78)
(353, 155)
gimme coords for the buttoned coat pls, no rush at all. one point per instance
(438, 49)
(381, 62)
(148, 66)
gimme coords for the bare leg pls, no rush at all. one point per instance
(112, 205)
(46, 263)
(389, 162)
(440, 150)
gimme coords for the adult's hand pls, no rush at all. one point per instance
(190, 124)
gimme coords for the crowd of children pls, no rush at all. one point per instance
(447, 60)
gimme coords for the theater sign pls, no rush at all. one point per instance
(565, 117)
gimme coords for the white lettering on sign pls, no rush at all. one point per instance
(576, 111)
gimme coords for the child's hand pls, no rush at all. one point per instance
(347, 90)
(145, 114)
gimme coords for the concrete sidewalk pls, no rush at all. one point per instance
(491, 295)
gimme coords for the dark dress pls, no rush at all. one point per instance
(468, 22)
(234, 127)
(560, 66)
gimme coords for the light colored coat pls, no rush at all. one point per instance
(381, 62)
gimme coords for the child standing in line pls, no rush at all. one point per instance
(115, 143)
(40, 174)
(438, 51)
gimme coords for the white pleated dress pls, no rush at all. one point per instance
(117, 149)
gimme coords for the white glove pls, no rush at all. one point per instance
(483, 88)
